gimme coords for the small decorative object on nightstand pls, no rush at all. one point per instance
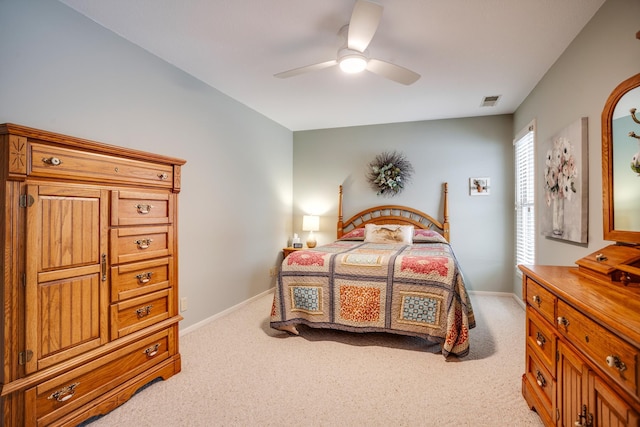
(295, 242)
(311, 223)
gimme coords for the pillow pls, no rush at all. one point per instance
(355, 234)
(388, 233)
(427, 236)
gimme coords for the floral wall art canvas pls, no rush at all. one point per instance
(566, 184)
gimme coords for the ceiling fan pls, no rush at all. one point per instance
(353, 57)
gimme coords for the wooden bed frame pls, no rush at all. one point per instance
(326, 288)
(395, 214)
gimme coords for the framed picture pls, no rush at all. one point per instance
(479, 186)
(565, 211)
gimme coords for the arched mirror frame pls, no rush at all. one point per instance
(610, 232)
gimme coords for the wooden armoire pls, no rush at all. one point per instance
(89, 275)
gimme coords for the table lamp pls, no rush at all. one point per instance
(311, 223)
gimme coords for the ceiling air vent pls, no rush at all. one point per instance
(490, 101)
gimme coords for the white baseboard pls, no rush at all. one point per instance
(500, 294)
(519, 301)
(490, 293)
(223, 313)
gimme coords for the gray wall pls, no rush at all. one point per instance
(440, 151)
(64, 73)
(604, 54)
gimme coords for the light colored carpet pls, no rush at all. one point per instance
(237, 371)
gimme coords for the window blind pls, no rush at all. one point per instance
(525, 200)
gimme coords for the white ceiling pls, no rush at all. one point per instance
(463, 49)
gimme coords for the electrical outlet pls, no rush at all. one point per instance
(273, 271)
(183, 304)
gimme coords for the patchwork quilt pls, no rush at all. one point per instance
(415, 289)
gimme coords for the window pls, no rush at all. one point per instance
(525, 198)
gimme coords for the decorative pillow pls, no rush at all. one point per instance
(388, 233)
(355, 234)
(427, 236)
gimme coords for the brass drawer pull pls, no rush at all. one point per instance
(144, 311)
(143, 243)
(563, 321)
(53, 161)
(615, 362)
(537, 300)
(540, 340)
(103, 266)
(65, 393)
(143, 209)
(540, 379)
(152, 351)
(144, 277)
(163, 176)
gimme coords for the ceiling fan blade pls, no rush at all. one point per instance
(305, 69)
(392, 72)
(363, 25)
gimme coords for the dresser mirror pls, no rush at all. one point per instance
(621, 163)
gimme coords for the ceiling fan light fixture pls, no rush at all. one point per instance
(353, 56)
(353, 63)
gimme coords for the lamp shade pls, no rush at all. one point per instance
(310, 223)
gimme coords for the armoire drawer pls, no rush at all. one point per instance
(140, 243)
(58, 162)
(617, 358)
(140, 278)
(141, 208)
(53, 399)
(542, 339)
(543, 301)
(138, 313)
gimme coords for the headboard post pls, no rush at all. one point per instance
(340, 230)
(445, 223)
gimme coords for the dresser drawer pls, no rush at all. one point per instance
(140, 243)
(56, 162)
(141, 208)
(140, 278)
(542, 383)
(542, 339)
(543, 301)
(53, 399)
(137, 313)
(617, 358)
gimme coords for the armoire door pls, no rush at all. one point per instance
(66, 273)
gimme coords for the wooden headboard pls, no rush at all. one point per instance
(395, 214)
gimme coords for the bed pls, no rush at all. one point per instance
(391, 270)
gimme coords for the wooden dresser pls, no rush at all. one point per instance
(582, 348)
(89, 275)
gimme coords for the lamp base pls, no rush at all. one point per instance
(311, 243)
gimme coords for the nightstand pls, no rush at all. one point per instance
(290, 249)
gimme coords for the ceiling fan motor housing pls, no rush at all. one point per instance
(352, 61)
